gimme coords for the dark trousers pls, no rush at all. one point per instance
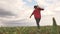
(37, 22)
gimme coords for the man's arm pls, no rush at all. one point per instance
(31, 15)
(40, 8)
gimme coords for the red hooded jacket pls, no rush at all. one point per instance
(37, 12)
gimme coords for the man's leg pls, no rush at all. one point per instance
(37, 21)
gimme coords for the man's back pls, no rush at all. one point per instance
(37, 12)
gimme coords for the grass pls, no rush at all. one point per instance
(29, 30)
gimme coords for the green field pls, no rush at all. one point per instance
(29, 30)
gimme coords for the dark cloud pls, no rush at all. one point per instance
(4, 13)
(22, 22)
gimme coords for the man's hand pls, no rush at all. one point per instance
(30, 16)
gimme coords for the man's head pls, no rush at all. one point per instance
(35, 6)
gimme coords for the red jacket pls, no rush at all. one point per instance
(37, 12)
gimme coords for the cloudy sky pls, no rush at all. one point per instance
(17, 12)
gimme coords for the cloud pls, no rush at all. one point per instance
(49, 5)
(28, 22)
(23, 11)
(4, 13)
(17, 7)
(22, 22)
(13, 9)
(12, 5)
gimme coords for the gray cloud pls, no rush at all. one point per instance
(4, 13)
(23, 22)
(27, 22)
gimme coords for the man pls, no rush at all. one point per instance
(37, 14)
